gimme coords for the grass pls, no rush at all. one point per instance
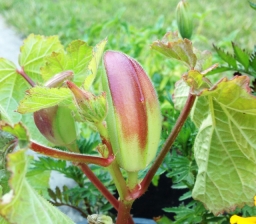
(215, 21)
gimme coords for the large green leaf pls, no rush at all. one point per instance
(42, 97)
(225, 147)
(34, 51)
(12, 89)
(23, 204)
(76, 58)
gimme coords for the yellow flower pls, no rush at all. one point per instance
(235, 219)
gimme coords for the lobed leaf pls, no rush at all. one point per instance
(76, 58)
(10, 82)
(23, 204)
(41, 97)
(34, 51)
(225, 145)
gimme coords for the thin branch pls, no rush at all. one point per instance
(70, 156)
(97, 183)
(143, 186)
(71, 206)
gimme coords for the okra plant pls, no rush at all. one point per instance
(58, 93)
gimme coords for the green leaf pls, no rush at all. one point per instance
(76, 58)
(18, 130)
(3, 221)
(10, 82)
(179, 49)
(226, 57)
(253, 5)
(225, 145)
(94, 64)
(41, 97)
(253, 61)
(23, 204)
(180, 95)
(241, 56)
(34, 51)
(39, 181)
(219, 70)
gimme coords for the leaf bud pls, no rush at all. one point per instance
(91, 108)
(58, 79)
(134, 117)
(56, 124)
(184, 19)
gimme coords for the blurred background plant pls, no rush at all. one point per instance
(131, 26)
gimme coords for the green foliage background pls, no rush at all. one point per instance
(215, 21)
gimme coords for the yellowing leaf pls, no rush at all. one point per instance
(225, 147)
(23, 204)
(179, 49)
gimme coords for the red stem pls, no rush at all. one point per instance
(91, 176)
(74, 157)
(25, 76)
(124, 209)
(141, 189)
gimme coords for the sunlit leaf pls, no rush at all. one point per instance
(179, 49)
(23, 204)
(225, 145)
(76, 58)
(180, 94)
(41, 97)
(34, 51)
(94, 64)
(39, 181)
(10, 82)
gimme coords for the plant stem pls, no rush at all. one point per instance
(132, 179)
(97, 183)
(141, 189)
(73, 157)
(113, 168)
(124, 209)
(25, 76)
(118, 178)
